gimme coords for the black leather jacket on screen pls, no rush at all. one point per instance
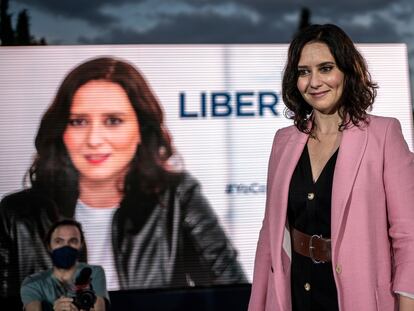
(173, 241)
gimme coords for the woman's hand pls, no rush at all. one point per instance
(64, 304)
(406, 303)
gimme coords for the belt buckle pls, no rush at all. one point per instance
(311, 248)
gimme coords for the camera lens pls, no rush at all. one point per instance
(85, 299)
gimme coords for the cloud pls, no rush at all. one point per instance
(90, 11)
(268, 8)
(372, 28)
(201, 28)
(217, 22)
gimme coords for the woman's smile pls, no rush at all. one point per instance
(319, 94)
(97, 158)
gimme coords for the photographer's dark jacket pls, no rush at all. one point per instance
(170, 240)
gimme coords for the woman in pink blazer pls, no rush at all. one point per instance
(338, 231)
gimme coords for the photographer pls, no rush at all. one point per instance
(69, 285)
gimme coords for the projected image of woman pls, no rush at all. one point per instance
(338, 232)
(105, 158)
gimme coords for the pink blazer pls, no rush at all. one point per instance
(372, 219)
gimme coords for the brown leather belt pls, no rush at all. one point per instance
(313, 246)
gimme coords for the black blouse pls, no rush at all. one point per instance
(309, 210)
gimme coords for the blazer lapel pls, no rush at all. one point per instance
(351, 152)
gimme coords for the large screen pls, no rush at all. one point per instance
(222, 105)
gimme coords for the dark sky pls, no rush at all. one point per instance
(206, 21)
(213, 21)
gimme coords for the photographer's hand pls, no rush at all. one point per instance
(64, 304)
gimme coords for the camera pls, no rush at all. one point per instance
(85, 297)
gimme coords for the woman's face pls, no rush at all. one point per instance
(320, 81)
(103, 131)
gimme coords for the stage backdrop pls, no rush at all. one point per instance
(222, 105)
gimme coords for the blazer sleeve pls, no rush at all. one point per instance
(262, 264)
(262, 268)
(399, 190)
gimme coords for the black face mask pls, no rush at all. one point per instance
(64, 257)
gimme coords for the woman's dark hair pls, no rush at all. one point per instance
(53, 171)
(359, 91)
